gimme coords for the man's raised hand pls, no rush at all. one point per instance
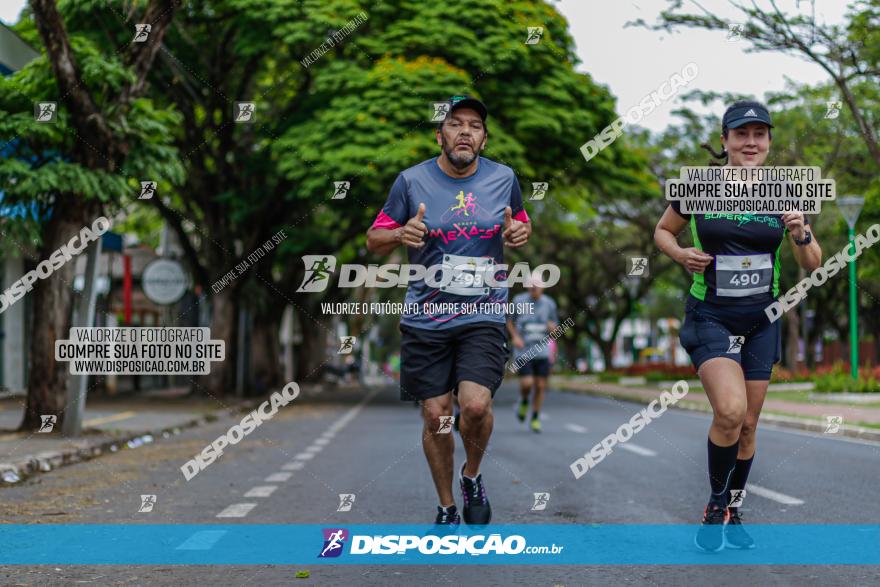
(516, 233)
(414, 230)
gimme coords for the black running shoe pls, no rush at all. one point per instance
(735, 535)
(450, 518)
(710, 536)
(476, 505)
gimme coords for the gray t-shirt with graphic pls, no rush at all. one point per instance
(532, 327)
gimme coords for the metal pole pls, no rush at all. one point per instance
(853, 312)
(85, 316)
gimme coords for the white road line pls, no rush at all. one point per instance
(237, 510)
(321, 440)
(639, 450)
(276, 477)
(204, 540)
(261, 491)
(576, 428)
(293, 466)
(304, 456)
(314, 448)
(773, 495)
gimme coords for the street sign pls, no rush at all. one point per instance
(164, 281)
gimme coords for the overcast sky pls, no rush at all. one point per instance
(632, 62)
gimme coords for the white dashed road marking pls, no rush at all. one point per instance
(240, 510)
(261, 491)
(639, 450)
(576, 428)
(772, 495)
(237, 510)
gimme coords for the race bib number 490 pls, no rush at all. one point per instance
(737, 276)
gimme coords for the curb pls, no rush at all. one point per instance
(43, 462)
(780, 420)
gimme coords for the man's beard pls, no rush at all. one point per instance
(458, 161)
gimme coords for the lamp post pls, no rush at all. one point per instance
(850, 207)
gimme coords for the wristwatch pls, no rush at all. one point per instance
(806, 241)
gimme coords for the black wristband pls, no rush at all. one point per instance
(806, 241)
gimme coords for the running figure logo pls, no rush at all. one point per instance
(833, 110)
(333, 542)
(45, 111)
(341, 190)
(346, 345)
(735, 31)
(346, 500)
(141, 32)
(147, 503)
(465, 203)
(541, 500)
(639, 266)
(47, 423)
(148, 190)
(736, 343)
(736, 498)
(534, 35)
(245, 112)
(441, 110)
(539, 190)
(318, 270)
(445, 425)
(832, 424)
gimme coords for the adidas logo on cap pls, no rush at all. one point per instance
(751, 112)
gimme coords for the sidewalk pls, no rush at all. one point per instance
(109, 425)
(859, 420)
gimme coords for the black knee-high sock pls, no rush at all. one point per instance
(722, 460)
(740, 475)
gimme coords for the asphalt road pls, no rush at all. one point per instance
(292, 469)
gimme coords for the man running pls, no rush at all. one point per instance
(460, 353)
(528, 331)
(731, 342)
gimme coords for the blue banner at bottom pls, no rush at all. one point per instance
(531, 544)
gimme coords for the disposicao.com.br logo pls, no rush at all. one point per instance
(334, 540)
(455, 271)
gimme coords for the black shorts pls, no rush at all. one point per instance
(433, 362)
(536, 367)
(709, 331)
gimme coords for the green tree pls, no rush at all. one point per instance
(105, 137)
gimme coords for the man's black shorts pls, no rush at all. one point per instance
(536, 367)
(433, 362)
(709, 331)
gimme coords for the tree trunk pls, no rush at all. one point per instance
(312, 352)
(52, 303)
(265, 350)
(606, 346)
(224, 326)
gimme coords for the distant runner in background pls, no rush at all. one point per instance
(528, 331)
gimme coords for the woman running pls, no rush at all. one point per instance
(731, 342)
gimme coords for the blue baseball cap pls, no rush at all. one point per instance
(737, 117)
